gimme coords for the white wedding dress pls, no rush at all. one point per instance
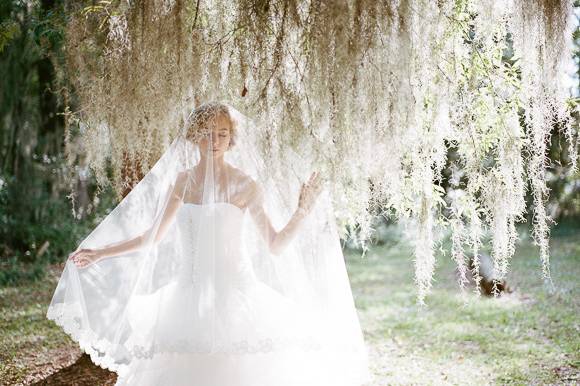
(255, 337)
(211, 293)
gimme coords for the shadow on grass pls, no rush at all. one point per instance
(83, 372)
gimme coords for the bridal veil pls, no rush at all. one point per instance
(208, 277)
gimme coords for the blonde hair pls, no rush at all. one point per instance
(205, 113)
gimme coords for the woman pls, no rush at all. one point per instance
(217, 140)
(211, 294)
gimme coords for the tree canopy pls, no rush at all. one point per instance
(376, 95)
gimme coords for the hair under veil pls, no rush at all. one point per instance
(208, 276)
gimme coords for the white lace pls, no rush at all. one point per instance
(97, 349)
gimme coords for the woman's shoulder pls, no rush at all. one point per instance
(247, 185)
(243, 177)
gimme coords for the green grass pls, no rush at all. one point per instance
(30, 343)
(527, 337)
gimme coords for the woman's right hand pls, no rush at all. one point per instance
(83, 257)
(309, 192)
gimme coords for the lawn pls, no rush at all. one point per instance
(529, 336)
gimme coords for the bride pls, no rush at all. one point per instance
(188, 281)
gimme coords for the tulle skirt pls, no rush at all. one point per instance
(257, 337)
(290, 368)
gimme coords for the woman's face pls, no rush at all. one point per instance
(218, 139)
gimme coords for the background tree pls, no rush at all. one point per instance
(36, 225)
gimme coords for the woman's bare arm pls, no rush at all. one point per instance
(278, 240)
(83, 257)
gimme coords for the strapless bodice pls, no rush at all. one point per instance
(212, 245)
(214, 205)
(219, 222)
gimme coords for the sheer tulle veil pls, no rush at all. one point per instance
(207, 232)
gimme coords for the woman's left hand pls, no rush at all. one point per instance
(309, 192)
(83, 257)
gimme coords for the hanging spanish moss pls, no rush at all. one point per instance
(373, 94)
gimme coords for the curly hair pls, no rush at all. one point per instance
(207, 112)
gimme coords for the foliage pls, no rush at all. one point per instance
(37, 226)
(8, 30)
(373, 94)
(44, 234)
